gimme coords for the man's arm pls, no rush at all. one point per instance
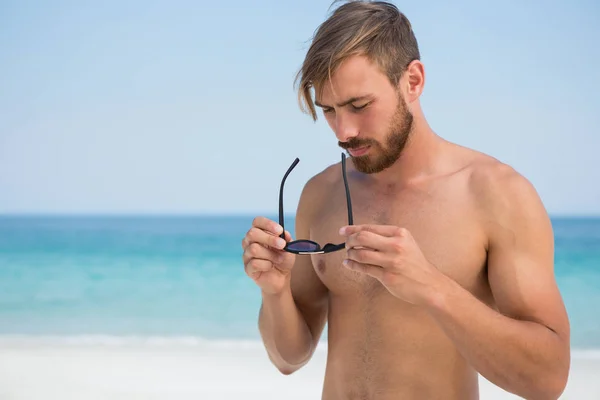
(523, 347)
(292, 322)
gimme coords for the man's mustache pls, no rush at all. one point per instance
(353, 144)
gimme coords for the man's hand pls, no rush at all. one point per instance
(391, 255)
(264, 260)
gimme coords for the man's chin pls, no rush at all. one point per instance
(366, 164)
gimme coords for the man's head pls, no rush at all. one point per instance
(363, 67)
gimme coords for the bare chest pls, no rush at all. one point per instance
(441, 222)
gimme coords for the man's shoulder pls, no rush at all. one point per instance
(503, 194)
(318, 186)
(497, 182)
(320, 182)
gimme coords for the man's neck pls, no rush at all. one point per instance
(420, 158)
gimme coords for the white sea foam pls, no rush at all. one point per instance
(128, 340)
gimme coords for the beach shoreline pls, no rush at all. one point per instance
(98, 367)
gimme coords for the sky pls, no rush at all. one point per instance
(189, 107)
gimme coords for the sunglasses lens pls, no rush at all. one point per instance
(303, 245)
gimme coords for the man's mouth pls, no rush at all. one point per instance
(359, 151)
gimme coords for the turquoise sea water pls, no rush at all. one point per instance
(183, 276)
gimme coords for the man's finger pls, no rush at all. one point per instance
(369, 269)
(267, 225)
(383, 230)
(257, 265)
(257, 251)
(256, 235)
(368, 256)
(369, 240)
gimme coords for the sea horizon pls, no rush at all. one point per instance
(113, 279)
(208, 213)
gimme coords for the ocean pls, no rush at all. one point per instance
(182, 277)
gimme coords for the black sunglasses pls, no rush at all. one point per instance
(305, 246)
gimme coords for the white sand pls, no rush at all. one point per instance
(34, 369)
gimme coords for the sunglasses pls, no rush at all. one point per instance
(305, 246)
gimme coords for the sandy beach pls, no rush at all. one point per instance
(187, 369)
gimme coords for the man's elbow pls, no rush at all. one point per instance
(550, 391)
(556, 385)
(549, 386)
(550, 380)
(289, 369)
(285, 367)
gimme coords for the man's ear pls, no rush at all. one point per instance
(413, 81)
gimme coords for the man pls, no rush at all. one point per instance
(447, 269)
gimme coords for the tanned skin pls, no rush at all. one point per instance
(447, 271)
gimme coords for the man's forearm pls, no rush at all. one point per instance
(522, 357)
(284, 331)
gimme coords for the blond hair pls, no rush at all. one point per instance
(375, 29)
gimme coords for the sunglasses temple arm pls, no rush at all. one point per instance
(348, 201)
(296, 161)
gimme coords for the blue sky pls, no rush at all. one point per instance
(189, 107)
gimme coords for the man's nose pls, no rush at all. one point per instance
(345, 128)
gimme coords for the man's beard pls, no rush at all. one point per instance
(381, 157)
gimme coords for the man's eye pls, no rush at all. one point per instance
(327, 110)
(357, 108)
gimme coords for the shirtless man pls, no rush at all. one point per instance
(447, 270)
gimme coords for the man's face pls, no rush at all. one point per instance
(367, 114)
